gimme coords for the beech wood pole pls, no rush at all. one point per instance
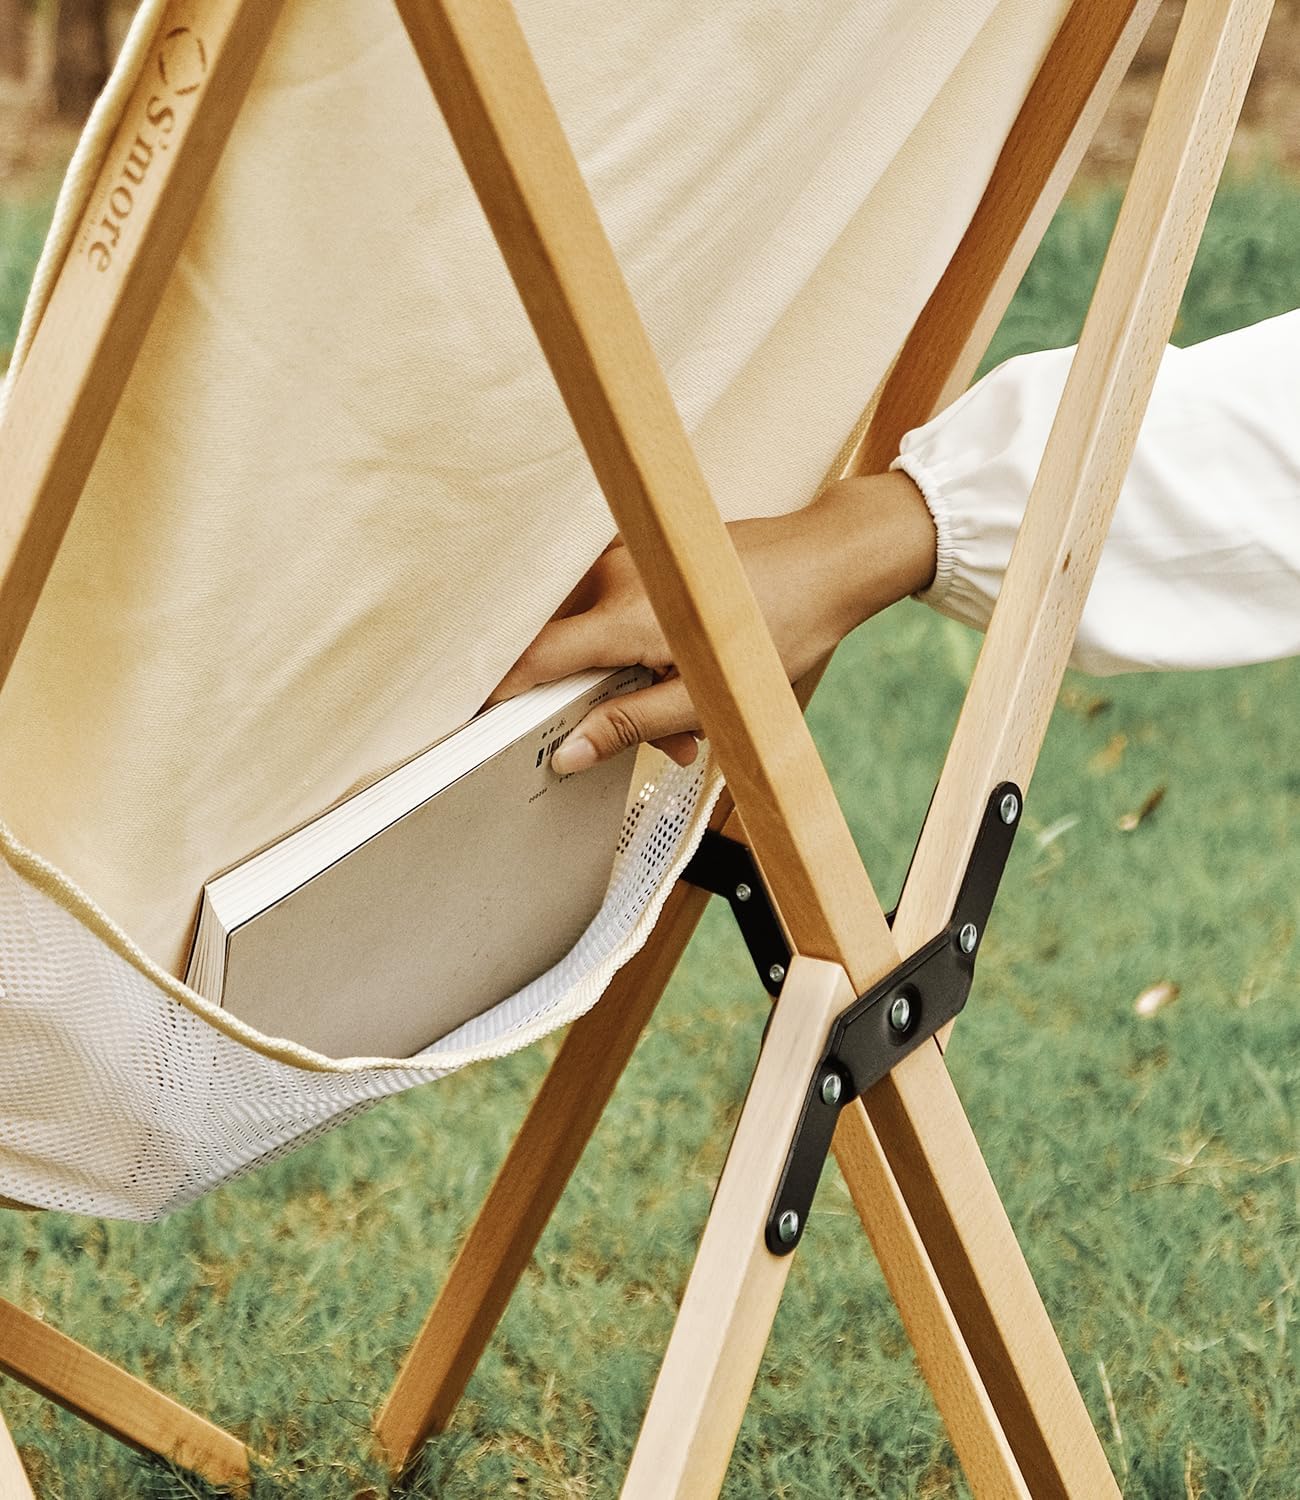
(520, 164)
(735, 1286)
(732, 1296)
(119, 1404)
(1031, 633)
(1006, 711)
(515, 154)
(1089, 55)
(155, 172)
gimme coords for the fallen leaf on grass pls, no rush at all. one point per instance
(1053, 831)
(1108, 758)
(1155, 997)
(1130, 820)
(1084, 704)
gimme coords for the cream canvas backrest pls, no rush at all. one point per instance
(340, 492)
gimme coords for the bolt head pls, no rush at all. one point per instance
(1009, 808)
(900, 1013)
(776, 973)
(832, 1088)
(787, 1227)
(743, 892)
(968, 937)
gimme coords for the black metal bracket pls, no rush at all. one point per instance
(725, 868)
(893, 1019)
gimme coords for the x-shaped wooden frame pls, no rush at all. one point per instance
(982, 1337)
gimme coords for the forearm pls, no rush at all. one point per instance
(877, 538)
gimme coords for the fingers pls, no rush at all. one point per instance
(662, 714)
(563, 646)
(683, 748)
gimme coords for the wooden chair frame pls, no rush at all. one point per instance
(982, 1337)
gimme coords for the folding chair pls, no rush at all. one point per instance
(855, 1043)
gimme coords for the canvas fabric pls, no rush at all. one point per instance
(341, 494)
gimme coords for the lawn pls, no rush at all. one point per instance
(1150, 1164)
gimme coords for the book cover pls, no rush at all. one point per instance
(428, 897)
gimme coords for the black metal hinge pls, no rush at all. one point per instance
(725, 868)
(893, 1019)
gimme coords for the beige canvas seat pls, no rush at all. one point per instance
(341, 493)
(320, 489)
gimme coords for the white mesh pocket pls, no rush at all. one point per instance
(123, 1094)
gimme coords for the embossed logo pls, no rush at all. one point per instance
(181, 64)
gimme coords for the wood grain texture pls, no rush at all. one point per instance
(155, 173)
(731, 1298)
(1032, 629)
(543, 1154)
(955, 1380)
(1007, 708)
(117, 1403)
(1010, 242)
(945, 1181)
(139, 211)
(1074, 1463)
(530, 187)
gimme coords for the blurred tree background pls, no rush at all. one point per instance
(55, 54)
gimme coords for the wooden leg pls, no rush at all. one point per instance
(731, 1299)
(1005, 715)
(527, 1188)
(552, 1139)
(119, 1404)
(14, 1483)
(937, 1162)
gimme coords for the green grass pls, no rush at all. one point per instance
(22, 229)
(1151, 1167)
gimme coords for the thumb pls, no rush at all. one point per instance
(662, 714)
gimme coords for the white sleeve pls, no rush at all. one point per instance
(1202, 565)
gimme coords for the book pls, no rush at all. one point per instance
(424, 899)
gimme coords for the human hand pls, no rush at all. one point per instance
(817, 573)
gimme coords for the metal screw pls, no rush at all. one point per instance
(787, 1227)
(968, 937)
(776, 973)
(832, 1088)
(743, 892)
(1010, 808)
(900, 1013)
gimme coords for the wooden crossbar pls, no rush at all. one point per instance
(118, 1403)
